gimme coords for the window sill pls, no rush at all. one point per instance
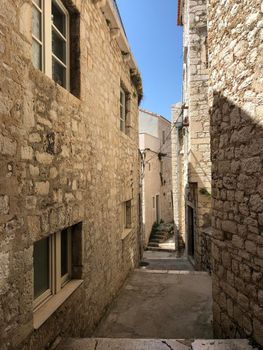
(126, 233)
(44, 312)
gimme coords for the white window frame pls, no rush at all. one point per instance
(123, 110)
(34, 38)
(47, 27)
(56, 281)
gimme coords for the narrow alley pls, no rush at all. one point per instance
(131, 174)
(165, 298)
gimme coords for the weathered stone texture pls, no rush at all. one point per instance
(193, 163)
(64, 161)
(236, 100)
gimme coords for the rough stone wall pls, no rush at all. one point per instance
(236, 97)
(199, 166)
(166, 180)
(178, 177)
(63, 161)
(195, 138)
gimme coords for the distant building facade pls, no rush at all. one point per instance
(155, 147)
(191, 139)
(69, 178)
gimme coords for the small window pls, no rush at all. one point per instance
(149, 166)
(53, 27)
(153, 202)
(124, 111)
(163, 136)
(52, 261)
(127, 217)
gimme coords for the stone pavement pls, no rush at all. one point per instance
(161, 304)
(156, 260)
(154, 344)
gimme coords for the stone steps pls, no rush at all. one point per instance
(153, 344)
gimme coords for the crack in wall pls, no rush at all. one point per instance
(96, 344)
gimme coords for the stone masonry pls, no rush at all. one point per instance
(191, 137)
(236, 100)
(64, 162)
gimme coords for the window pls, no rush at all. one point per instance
(163, 137)
(153, 202)
(122, 110)
(52, 261)
(127, 219)
(51, 28)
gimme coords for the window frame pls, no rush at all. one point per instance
(127, 205)
(42, 298)
(123, 110)
(56, 281)
(47, 28)
(34, 38)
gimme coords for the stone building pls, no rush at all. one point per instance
(191, 139)
(69, 175)
(235, 39)
(155, 147)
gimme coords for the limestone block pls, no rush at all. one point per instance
(34, 170)
(4, 270)
(42, 187)
(44, 158)
(25, 19)
(4, 205)
(7, 146)
(33, 225)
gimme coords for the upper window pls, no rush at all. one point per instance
(52, 265)
(50, 40)
(163, 134)
(125, 122)
(122, 110)
(127, 215)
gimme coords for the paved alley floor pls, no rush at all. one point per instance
(161, 304)
(155, 344)
(157, 260)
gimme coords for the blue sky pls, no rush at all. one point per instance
(156, 43)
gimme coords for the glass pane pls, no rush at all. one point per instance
(58, 47)
(58, 73)
(41, 267)
(58, 18)
(37, 54)
(64, 252)
(36, 23)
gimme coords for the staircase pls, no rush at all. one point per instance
(160, 233)
(153, 344)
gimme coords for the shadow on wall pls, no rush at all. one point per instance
(237, 219)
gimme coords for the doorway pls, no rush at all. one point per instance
(191, 233)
